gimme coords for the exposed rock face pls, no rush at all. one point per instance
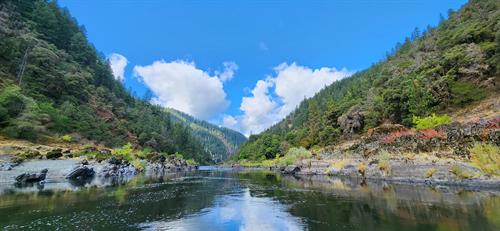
(32, 177)
(117, 168)
(352, 121)
(81, 172)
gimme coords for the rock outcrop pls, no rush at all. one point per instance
(32, 177)
(351, 122)
(81, 172)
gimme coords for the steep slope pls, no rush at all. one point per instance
(440, 70)
(220, 142)
(53, 82)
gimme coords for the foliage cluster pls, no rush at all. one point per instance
(67, 87)
(439, 69)
(431, 121)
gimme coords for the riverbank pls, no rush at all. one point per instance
(464, 153)
(27, 164)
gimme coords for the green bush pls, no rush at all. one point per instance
(293, 155)
(179, 155)
(191, 162)
(67, 138)
(125, 152)
(430, 121)
(463, 93)
(139, 165)
(145, 153)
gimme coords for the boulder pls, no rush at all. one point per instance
(113, 160)
(32, 177)
(54, 153)
(81, 172)
(290, 169)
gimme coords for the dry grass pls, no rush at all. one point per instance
(486, 157)
(362, 168)
(430, 172)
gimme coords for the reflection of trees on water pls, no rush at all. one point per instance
(327, 203)
(323, 203)
(127, 202)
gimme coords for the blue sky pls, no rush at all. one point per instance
(245, 64)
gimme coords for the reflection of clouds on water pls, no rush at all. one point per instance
(236, 212)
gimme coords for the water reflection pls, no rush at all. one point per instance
(234, 212)
(246, 200)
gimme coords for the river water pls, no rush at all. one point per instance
(217, 199)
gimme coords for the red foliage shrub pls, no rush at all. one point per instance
(430, 133)
(493, 124)
(393, 136)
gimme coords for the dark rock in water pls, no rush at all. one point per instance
(81, 172)
(32, 177)
(84, 162)
(54, 153)
(290, 169)
(114, 161)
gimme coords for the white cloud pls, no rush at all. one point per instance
(118, 63)
(276, 96)
(182, 86)
(228, 73)
(229, 122)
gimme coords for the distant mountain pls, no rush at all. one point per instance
(220, 142)
(435, 70)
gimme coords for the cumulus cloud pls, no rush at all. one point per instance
(118, 63)
(276, 96)
(181, 85)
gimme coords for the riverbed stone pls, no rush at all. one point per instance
(291, 169)
(81, 172)
(32, 177)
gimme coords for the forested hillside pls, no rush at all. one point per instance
(221, 143)
(54, 84)
(435, 70)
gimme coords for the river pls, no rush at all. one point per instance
(218, 199)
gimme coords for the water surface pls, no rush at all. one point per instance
(245, 200)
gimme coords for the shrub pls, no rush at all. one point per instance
(293, 155)
(463, 93)
(430, 172)
(384, 166)
(67, 138)
(191, 162)
(362, 168)
(138, 165)
(460, 172)
(486, 157)
(428, 134)
(179, 155)
(393, 136)
(145, 153)
(125, 152)
(430, 121)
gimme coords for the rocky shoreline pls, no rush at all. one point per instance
(71, 164)
(393, 153)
